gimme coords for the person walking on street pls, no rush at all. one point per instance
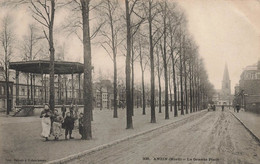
(222, 107)
(63, 110)
(46, 122)
(238, 108)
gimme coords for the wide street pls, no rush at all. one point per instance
(209, 137)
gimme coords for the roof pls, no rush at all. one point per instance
(42, 67)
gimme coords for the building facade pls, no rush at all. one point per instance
(248, 91)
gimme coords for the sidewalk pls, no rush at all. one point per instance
(250, 120)
(20, 136)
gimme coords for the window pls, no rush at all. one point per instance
(2, 90)
(23, 92)
(253, 76)
(258, 75)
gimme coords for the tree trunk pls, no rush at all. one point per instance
(115, 88)
(160, 94)
(142, 70)
(114, 47)
(52, 51)
(144, 102)
(165, 65)
(174, 86)
(159, 81)
(185, 80)
(129, 123)
(132, 88)
(170, 89)
(153, 119)
(87, 85)
(181, 83)
(191, 106)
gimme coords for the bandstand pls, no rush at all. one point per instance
(42, 69)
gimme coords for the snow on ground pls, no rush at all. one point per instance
(20, 136)
(251, 121)
(210, 138)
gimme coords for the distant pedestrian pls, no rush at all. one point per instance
(68, 125)
(238, 108)
(63, 110)
(46, 122)
(81, 125)
(222, 107)
(56, 125)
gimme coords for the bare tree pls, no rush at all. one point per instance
(143, 63)
(7, 41)
(44, 13)
(109, 9)
(151, 13)
(164, 13)
(30, 52)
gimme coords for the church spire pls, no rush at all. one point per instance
(226, 74)
(226, 88)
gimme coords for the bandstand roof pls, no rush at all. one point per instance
(42, 67)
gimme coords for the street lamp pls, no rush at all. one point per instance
(245, 100)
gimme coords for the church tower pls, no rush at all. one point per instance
(226, 88)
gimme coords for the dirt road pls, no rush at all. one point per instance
(214, 137)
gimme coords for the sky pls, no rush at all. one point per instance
(226, 31)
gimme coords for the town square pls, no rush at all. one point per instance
(129, 81)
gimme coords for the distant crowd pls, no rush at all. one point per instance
(53, 122)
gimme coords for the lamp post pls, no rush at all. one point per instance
(245, 100)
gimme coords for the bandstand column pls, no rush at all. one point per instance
(72, 85)
(79, 97)
(17, 87)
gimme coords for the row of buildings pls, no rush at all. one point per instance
(247, 92)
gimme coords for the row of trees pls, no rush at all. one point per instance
(154, 33)
(157, 32)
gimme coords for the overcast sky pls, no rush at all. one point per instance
(225, 31)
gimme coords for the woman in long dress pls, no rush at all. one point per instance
(46, 122)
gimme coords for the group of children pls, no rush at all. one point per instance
(69, 121)
(52, 123)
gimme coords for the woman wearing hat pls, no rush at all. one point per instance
(46, 122)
